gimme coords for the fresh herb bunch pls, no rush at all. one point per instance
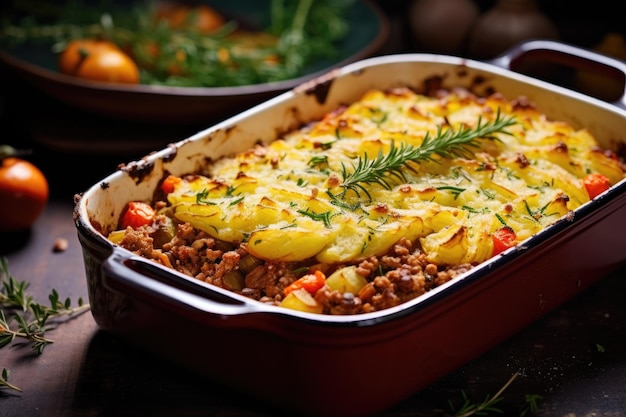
(308, 29)
(32, 320)
(299, 33)
(448, 143)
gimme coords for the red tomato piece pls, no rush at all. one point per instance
(503, 238)
(137, 214)
(596, 184)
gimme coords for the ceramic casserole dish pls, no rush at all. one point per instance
(356, 364)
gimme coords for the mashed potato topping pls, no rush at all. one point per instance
(285, 198)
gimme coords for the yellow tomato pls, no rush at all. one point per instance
(76, 51)
(98, 60)
(110, 66)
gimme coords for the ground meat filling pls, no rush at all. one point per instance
(393, 278)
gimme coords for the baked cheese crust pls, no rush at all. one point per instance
(284, 201)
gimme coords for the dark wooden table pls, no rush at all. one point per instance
(573, 361)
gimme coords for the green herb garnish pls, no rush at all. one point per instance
(316, 161)
(483, 408)
(323, 217)
(456, 191)
(448, 143)
(31, 319)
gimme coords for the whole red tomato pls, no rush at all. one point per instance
(24, 193)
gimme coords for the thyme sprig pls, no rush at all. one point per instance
(449, 143)
(4, 381)
(487, 405)
(26, 319)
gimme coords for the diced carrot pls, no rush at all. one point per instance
(596, 184)
(137, 214)
(309, 282)
(169, 183)
(503, 238)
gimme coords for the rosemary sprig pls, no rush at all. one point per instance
(4, 381)
(530, 404)
(447, 143)
(488, 405)
(31, 319)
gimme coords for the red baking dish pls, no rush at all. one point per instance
(356, 364)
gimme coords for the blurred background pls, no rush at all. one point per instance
(447, 29)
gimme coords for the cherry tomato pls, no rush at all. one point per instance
(24, 194)
(110, 66)
(137, 214)
(179, 16)
(503, 238)
(77, 50)
(98, 60)
(596, 184)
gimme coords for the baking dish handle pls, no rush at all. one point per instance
(568, 55)
(144, 280)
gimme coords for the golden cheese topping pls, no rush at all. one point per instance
(299, 197)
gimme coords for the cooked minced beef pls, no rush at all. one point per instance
(394, 278)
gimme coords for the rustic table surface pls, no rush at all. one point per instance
(571, 363)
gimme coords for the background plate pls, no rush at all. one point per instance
(172, 105)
